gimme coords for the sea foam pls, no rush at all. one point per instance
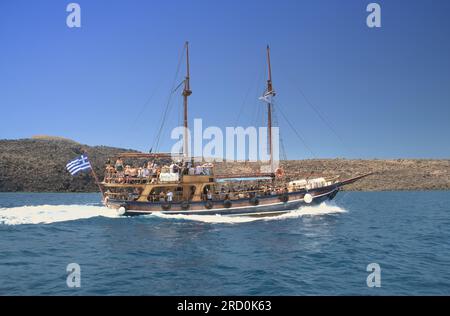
(47, 214)
(322, 209)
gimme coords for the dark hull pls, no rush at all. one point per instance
(266, 206)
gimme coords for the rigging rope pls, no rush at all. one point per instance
(169, 99)
(322, 117)
(259, 77)
(144, 106)
(276, 123)
(296, 132)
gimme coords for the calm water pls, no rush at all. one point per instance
(316, 250)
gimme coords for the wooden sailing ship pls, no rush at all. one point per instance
(178, 185)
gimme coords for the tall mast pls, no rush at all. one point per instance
(186, 92)
(269, 93)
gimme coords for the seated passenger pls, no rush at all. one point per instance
(133, 172)
(162, 196)
(198, 170)
(165, 169)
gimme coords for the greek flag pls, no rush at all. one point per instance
(78, 165)
(267, 97)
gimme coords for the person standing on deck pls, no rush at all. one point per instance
(209, 195)
(169, 196)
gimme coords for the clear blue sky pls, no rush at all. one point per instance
(382, 93)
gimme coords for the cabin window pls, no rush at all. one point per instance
(159, 194)
(208, 192)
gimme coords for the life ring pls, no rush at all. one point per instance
(209, 205)
(166, 206)
(254, 201)
(284, 197)
(122, 210)
(227, 204)
(308, 198)
(185, 205)
(279, 172)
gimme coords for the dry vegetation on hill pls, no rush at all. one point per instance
(38, 164)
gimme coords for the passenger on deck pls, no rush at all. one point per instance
(169, 196)
(162, 196)
(133, 172)
(136, 193)
(222, 193)
(207, 169)
(179, 167)
(110, 170)
(145, 172)
(175, 168)
(119, 165)
(151, 170)
(198, 170)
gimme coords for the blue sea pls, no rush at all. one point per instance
(319, 250)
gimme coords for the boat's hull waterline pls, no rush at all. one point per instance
(262, 206)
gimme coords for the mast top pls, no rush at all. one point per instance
(187, 88)
(269, 80)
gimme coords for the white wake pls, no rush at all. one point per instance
(47, 214)
(322, 209)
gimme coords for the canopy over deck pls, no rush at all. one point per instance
(244, 177)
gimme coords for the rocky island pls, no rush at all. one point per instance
(38, 165)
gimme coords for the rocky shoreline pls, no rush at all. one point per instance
(38, 165)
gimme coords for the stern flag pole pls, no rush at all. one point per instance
(95, 176)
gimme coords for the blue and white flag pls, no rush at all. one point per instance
(78, 165)
(267, 97)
